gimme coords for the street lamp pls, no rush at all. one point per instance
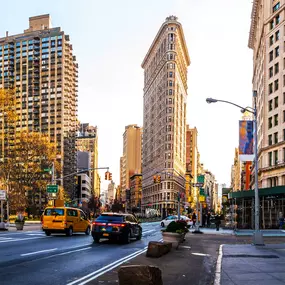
(257, 236)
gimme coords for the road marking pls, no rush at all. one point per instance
(107, 268)
(148, 231)
(200, 254)
(40, 251)
(67, 252)
(219, 266)
(36, 234)
(5, 238)
(20, 239)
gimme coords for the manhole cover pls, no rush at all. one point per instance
(249, 256)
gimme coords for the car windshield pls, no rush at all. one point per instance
(113, 218)
(54, 212)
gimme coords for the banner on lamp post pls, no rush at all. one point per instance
(246, 140)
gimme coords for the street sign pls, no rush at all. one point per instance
(202, 192)
(52, 188)
(197, 184)
(2, 195)
(47, 169)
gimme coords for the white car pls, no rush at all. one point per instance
(169, 219)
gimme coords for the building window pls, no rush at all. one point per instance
(270, 71)
(270, 87)
(271, 25)
(271, 40)
(283, 116)
(170, 91)
(283, 97)
(277, 20)
(275, 157)
(270, 105)
(283, 134)
(276, 102)
(270, 158)
(275, 137)
(276, 7)
(283, 154)
(276, 67)
(277, 36)
(270, 140)
(276, 85)
(277, 51)
(276, 120)
(270, 123)
(170, 74)
(271, 56)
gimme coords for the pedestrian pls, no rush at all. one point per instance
(217, 222)
(194, 219)
(209, 220)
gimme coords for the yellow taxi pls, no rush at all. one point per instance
(65, 220)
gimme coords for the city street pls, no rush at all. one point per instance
(32, 258)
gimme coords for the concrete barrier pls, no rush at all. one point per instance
(139, 275)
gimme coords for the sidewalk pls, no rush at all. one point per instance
(212, 231)
(268, 233)
(27, 227)
(248, 264)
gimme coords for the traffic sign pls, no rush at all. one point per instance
(2, 195)
(202, 192)
(197, 184)
(47, 169)
(52, 188)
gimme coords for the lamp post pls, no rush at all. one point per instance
(257, 236)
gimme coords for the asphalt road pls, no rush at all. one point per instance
(32, 258)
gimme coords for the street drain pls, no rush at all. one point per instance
(249, 256)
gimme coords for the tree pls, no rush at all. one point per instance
(23, 167)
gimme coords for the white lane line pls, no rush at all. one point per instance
(5, 238)
(148, 231)
(22, 239)
(219, 266)
(40, 251)
(36, 234)
(67, 252)
(108, 267)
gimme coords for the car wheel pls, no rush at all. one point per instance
(127, 237)
(47, 233)
(69, 232)
(139, 237)
(87, 232)
(162, 224)
(96, 239)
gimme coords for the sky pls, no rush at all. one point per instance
(110, 39)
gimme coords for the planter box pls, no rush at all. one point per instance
(19, 226)
(174, 238)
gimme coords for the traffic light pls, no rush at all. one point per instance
(110, 176)
(107, 175)
(156, 179)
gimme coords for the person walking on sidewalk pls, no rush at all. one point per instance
(217, 222)
(194, 219)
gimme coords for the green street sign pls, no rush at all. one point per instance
(52, 188)
(202, 192)
(47, 169)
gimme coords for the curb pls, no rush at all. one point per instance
(218, 272)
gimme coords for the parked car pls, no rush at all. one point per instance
(64, 220)
(116, 226)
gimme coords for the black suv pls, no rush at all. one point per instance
(116, 226)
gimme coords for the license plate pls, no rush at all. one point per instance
(105, 235)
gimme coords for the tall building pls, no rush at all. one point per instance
(192, 150)
(135, 191)
(111, 192)
(236, 172)
(87, 140)
(41, 65)
(164, 117)
(130, 162)
(266, 39)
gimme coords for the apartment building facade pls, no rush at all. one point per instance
(87, 140)
(131, 161)
(41, 65)
(266, 39)
(164, 117)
